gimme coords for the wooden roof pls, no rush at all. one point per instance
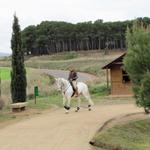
(117, 61)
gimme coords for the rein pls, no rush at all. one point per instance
(65, 89)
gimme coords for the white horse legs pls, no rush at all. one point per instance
(66, 103)
(87, 96)
(90, 103)
(78, 105)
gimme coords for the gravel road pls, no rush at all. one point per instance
(64, 74)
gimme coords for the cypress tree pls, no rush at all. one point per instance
(18, 73)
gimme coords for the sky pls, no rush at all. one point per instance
(32, 12)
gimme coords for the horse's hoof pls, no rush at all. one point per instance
(90, 109)
(66, 112)
(78, 108)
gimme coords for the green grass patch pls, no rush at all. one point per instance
(131, 136)
(54, 57)
(70, 55)
(5, 73)
(46, 102)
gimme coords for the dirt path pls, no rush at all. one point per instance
(64, 74)
(58, 131)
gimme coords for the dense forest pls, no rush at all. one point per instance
(53, 36)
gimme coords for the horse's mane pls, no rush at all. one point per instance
(64, 80)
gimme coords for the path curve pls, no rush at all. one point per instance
(64, 74)
(58, 131)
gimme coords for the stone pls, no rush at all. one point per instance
(18, 107)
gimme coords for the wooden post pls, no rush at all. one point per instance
(35, 99)
(107, 78)
(36, 93)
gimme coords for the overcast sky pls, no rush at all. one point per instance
(32, 12)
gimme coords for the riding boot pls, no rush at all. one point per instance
(76, 93)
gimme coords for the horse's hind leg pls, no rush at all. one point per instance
(78, 105)
(88, 97)
(90, 103)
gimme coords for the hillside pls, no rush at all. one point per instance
(4, 54)
(85, 61)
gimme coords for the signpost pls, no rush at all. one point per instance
(36, 93)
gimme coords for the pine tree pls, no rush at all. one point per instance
(18, 73)
(137, 63)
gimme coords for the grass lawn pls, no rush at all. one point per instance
(45, 102)
(131, 136)
(5, 73)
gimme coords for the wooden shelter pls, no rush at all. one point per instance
(118, 78)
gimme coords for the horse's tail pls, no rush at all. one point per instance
(86, 94)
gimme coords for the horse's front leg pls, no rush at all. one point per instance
(64, 101)
(78, 104)
(67, 105)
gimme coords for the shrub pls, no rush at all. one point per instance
(51, 80)
(137, 63)
(99, 89)
(30, 96)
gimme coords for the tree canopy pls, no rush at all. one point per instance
(55, 36)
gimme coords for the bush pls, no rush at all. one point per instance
(137, 64)
(30, 96)
(144, 93)
(51, 80)
(99, 89)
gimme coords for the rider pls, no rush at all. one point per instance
(73, 80)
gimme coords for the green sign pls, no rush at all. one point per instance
(36, 91)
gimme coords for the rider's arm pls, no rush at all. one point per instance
(75, 76)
